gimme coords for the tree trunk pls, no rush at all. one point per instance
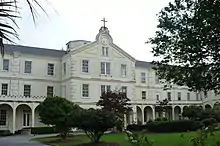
(97, 136)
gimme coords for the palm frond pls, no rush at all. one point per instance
(8, 13)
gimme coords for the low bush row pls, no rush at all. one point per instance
(167, 126)
(5, 133)
(40, 130)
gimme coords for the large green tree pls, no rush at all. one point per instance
(9, 12)
(60, 113)
(187, 44)
(94, 122)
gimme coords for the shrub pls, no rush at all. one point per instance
(158, 119)
(5, 133)
(168, 126)
(43, 130)
(209, 121)
(135, 127)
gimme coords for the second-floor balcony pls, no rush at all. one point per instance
(21, 98)
(172, 102)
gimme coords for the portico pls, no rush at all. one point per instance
(18, 114)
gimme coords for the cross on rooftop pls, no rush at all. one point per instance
(104, 21)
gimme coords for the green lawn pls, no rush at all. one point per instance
(173, 139)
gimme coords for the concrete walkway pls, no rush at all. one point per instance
(20, 140)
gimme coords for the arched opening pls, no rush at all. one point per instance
(177, 113)
(129, 117)
(37, 121)
(148, 114)
(216, 106)
(23, 116)
(207, 106)
(139, 115)
(6, 117)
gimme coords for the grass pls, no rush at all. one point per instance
(173, 139)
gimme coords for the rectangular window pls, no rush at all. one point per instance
(157, 97)
(197, 96)
(105, 68)
(27, 90)
(64, 68)
(157, 81)
(85, 90)
(64, 91)
(6, 64)
(49, 91)
(144, 95)
(104, 51)
(188, 96)
(123, 70)
(4, 89)
(124, 89)
(179, 96)
(105, 88)
(27, 66)
(85, 66)
(143, 77)
(50, 69)
(3, 117)
(169, 96)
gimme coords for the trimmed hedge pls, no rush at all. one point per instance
(168, 126)
(43, 130)
(5, 133)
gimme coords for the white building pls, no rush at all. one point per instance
(80, 74)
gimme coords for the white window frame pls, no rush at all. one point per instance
(27, 92)
(104, 69)
(157, 96)
(188, 96)
(197, 96)
(5, 67)
(85, 90)
(3, 117)
(64, 90)
(50, 71)
(169, 96)
(27, 67)
(105, 51)
(179, 96)
(64, 68)
(157, 81)
(143, 77)
(4, 90)
(124, 89)
(144, 95)
(105, 88)
(85, 66)
(123, 70)
(50, 93)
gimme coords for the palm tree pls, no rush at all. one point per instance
(9, 11)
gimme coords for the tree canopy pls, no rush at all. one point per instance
(94, 122)
(187, 44)
(116, 102)
(59, 112)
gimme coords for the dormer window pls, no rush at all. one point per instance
(104, 51)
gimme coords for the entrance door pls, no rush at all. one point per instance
(26, 118)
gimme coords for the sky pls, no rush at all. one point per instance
(130, 22)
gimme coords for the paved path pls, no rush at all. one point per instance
(19, 140)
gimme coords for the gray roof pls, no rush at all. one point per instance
(54, 53)
(34, 50)
(144, 64)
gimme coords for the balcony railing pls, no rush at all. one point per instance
(22, 98)
(172, 102)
